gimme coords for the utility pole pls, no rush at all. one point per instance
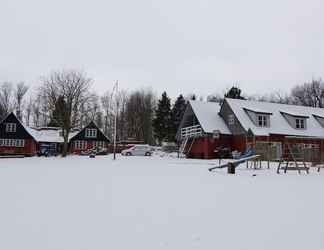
(116, 113)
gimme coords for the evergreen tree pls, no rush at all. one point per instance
(234, 93)
(162, 123)
(177, 112)
(56, 116)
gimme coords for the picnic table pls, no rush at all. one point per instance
(293, 165)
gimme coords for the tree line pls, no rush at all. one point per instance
(65, 99)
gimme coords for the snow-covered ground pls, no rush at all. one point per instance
(146, 203)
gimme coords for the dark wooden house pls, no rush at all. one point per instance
(202, 130)
(90, 137)
(15, 138)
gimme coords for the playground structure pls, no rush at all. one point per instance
(292, 154)
(300, 156)
(232, 165)
(293, 158)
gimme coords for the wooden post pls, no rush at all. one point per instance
(269, 151)
(205, 147)
(230, 168)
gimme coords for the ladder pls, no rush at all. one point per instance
(192, 142)
(183, 145)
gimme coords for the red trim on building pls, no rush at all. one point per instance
(88, 146)
(204, 147)
(29, 149)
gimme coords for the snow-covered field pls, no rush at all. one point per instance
(145, 203)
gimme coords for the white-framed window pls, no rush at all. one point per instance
(300, 123)
(80, 145)
(99, 144)
(20, 143)
(231, 119)
(311, 146)
(11, 127)
(91, 133)
(262, 120)
(17, 143)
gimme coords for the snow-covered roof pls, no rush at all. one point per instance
(208, 117)
(278, 123)
(44, 134)
(256, 110)
(299, 114)
(47, 135)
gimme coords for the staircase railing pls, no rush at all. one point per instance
(191, 131)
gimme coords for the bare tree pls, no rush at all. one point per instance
(106, 103)
(122, 98)
(139, 115)
(109, 103)
(29, 110)
(20, 91)
(274, 97)
(281, 97)
(72, 87)
(309, 94)
(215, 98)
(6, 98)
(36, 110)
(91, 108)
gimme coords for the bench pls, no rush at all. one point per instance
(233, 164)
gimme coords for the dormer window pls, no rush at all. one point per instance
(262, 120)
(300, 123)
(11, 127)
(295, 120)
(91, 133)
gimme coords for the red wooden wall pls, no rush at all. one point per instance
(29, 149)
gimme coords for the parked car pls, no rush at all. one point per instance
(143, 150)
(47, 150)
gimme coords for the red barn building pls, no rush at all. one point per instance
(205, 127)
(88, 138)
(197, 132)
(15, 138)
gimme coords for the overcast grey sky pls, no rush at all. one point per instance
(185, 46)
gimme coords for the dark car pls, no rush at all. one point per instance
(47, 150)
